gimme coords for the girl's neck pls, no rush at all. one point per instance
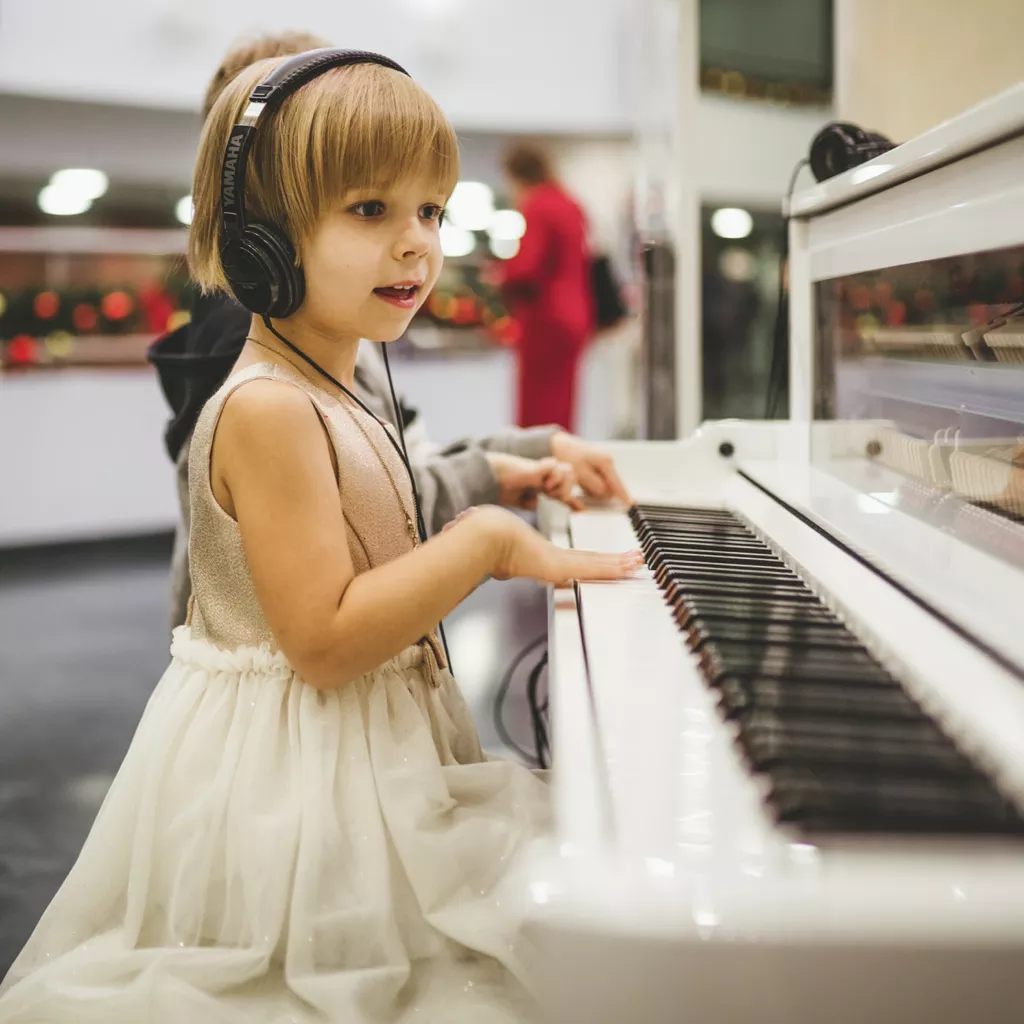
(336, 354)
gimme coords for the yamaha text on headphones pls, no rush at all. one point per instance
(259, 259)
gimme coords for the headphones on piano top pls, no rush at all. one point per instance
(259, 259)
(841, 145)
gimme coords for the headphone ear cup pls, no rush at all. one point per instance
(841, 145)
(248, 274)
(278, 255)
(833, 148)
(260, 267)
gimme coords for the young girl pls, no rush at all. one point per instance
(305, 827)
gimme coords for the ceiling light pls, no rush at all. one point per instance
(456, 241)
(506, 225)
(471, 206)
(183, 210)
(85, 182)
(504, 248)
(62, 203)
(731, 222)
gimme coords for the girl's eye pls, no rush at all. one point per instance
(368, 208)
(432, 212)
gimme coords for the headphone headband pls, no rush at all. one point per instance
(267, 96)
(304, 67)
(259, 259)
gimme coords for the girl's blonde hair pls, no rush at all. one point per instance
(360, 126)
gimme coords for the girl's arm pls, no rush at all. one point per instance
(272, 469)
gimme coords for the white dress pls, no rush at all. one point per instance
(269, 853)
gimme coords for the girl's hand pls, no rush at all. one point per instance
(520, 551)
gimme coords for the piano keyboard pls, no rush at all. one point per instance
(842, 746)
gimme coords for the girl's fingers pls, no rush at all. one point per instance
(591, 565)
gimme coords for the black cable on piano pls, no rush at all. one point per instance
(780, 336)
(537, 713)
(499, 702)
(403, 453)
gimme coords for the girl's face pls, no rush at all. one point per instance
(370, 262)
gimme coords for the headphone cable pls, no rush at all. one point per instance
(399, 448)
(420, 524)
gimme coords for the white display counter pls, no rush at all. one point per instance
(82, 452)
(82, 456)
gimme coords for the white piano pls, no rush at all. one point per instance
(678, 888)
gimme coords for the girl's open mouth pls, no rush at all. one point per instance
(403, 296)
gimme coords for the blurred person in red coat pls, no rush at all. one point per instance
(547, 287)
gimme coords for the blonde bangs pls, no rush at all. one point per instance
(379, 127)
(358, 127)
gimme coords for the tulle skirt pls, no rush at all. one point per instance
(271, 853)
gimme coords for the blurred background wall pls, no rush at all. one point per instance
(906, 66)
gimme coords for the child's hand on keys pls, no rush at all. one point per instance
(520, 551)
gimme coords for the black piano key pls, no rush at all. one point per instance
(725, 656)
(766, 612)
(741, 697)
(669, 513)
(884, 751)
(705, 538)
(751, 578)
(685, 553)
(709, 629)
(836, 675)
(698, 531)
(917, 732)
(676, 589)
(730, 568)
(837, 802)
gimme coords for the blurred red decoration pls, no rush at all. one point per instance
(860, 297)
(85, 317)
(977, 313)
(883, 294)
(442, 305)
(158, 309)
(46, 304)
(896, 314)
(465, 311)
(507, 331)
(116, 305)
(23, 349)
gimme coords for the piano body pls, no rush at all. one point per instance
(789, 755)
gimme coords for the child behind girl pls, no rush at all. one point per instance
(305, 827)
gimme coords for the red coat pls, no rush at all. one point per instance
(547, 287)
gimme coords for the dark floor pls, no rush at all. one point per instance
(84, 640)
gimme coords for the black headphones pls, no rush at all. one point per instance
(259, 259)
(841, 145)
